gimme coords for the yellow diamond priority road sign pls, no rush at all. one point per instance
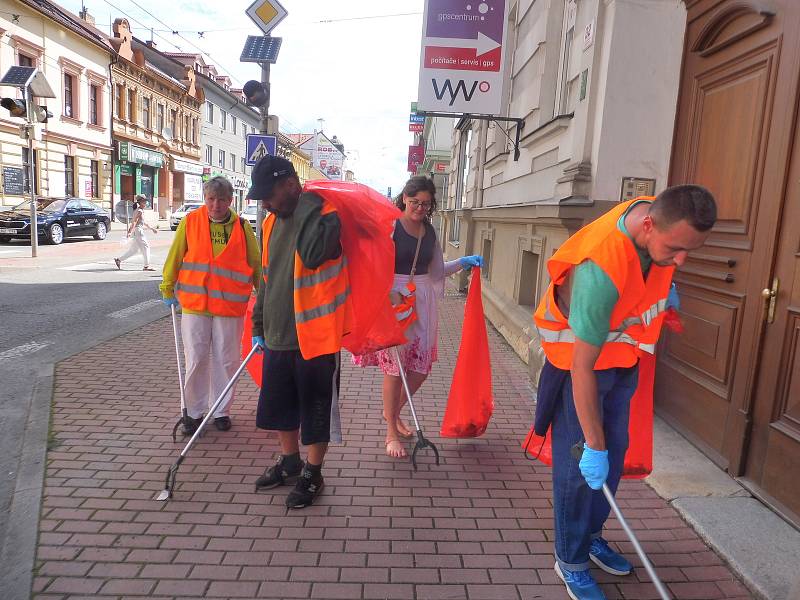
(266, 14)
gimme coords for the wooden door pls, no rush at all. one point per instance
(734, 132)
(772, 465)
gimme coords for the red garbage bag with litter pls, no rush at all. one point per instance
(470, 403)
(368, 221)
(639, 457)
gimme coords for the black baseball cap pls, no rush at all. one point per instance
(266, 173)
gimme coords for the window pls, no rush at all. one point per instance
(69, 98)
(209, 155)
(562, 85)
(186, 135)
(95, 168)
(233, 124)
(223, 119)
(194, 131)
(117, 100)
(233, 162)
(222, 158)
(160, 119)
(529, 275)
(69, 175)
(244, 165)
(244, 131)
(26, 61)
(146, 112)
(26, 170)
(173, 122)
(131, 104)
(94, 98)
(461, 185)
(210, 112)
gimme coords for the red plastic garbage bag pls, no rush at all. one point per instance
(470, 403)
(367, 219)
(639, 457)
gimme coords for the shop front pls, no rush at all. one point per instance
(187, 182)
(136, 171)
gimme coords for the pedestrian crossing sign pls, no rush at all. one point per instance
(258, 146)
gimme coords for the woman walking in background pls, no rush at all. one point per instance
(139, 242)
(418, 260)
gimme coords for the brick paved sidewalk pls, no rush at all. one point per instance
(478, 526)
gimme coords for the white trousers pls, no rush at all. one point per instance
(138, 243)
(212, 347)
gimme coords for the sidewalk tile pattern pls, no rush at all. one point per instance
(477, 527)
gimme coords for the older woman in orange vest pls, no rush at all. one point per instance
(211, 269)
(300, 316)
(606, 303)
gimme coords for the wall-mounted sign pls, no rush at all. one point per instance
(13, 181)
(440, 167)
(184, 166)
(143, 156)
(416, 154)
(463, 51)
(192, 188)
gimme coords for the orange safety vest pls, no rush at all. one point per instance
(639, 313)
(220, 284)
(322, 309)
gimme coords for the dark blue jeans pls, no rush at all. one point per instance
(580, 511)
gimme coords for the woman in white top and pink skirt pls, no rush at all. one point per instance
(417, 252)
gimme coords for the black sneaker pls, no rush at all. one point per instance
(222, 423)
(277, 475)
(190, 425)
(305, 490)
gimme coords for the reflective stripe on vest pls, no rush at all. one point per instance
(218, 294)
(654, 310)
(325, 309)
(566, 336)
(199, 267)
(324, 275)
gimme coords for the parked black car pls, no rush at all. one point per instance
(56, 219)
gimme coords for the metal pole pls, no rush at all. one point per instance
(265, 130)
(31, 174)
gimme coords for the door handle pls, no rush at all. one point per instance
(770, 296)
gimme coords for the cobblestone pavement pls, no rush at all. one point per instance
(478, 526)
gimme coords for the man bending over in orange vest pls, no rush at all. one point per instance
(300, 317)
(604, 308)
(210, 270)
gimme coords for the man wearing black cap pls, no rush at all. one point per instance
(300, 316)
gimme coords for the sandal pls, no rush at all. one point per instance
(395, 449)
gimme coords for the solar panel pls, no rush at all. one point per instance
(261, 49)
(18, 76)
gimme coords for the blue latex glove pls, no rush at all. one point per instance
(474, 260)
(258, 341)
(673, 300)
(594, 466)
(170, 302)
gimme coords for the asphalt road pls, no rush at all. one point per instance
(67, 299)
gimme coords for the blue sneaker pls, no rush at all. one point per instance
(580, 584)
(608, 560)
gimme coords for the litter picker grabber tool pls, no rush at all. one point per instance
(184, 414)
(166, 493)
(422, 441)
(577, 452)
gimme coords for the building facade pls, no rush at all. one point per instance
(226, 121)
(156, 120)
(72, 150)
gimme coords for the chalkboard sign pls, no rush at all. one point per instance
(13, 183)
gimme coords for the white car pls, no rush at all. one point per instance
(184, 210)
(251, 214)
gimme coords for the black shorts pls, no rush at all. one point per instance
(297, 394)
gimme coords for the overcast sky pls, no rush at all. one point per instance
(358, 74)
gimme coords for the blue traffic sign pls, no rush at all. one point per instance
(258, 146)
